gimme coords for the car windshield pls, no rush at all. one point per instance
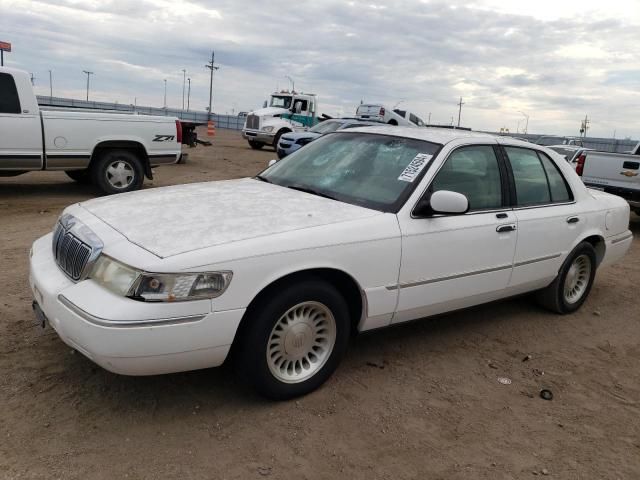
(326, 127)
(281, 101)
(369, 170)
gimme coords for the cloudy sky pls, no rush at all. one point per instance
(555, 60)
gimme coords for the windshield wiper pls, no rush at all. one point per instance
(301, 188)
(263, 179)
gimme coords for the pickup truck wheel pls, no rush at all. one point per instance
(118, 171)
(572, 285)
(295, 340)
(81, 176)
(256, 145)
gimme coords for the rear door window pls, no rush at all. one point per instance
(557, 185)
(537, 179)
(9, 100)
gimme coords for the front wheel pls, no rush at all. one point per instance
(571, 287)
(118, 171)
(294, 341)
(256, 145)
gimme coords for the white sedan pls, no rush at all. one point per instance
(360, 230)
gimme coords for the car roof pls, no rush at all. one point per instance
(568, 147)
(436, 135)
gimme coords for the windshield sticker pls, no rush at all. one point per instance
(415, 167)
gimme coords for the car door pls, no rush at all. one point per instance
(549, 220)
(20, 129)
(454, 261)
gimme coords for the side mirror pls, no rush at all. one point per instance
(445, 201)
(298, 107)
(273, 162)
(442, 201)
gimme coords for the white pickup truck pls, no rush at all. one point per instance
(113, 151)
(617, 173)
(380, 113)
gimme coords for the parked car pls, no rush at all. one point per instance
(361, 229)
(616, 173)
(380, 113)
(569, 152)
(113, 151)
(292, 141)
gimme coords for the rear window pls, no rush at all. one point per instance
(9, 100)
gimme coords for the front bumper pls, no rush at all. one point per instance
(126, 336)
(287, 148)
(258, 136)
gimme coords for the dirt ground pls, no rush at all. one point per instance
(417, 401)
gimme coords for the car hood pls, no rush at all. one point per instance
(173, 220)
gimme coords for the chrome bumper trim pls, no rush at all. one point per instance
(103, 322)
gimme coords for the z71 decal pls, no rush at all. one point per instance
(164, 138)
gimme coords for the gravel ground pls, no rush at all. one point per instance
(417, 401)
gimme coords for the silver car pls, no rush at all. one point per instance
(292, 141)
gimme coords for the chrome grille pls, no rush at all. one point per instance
(253, 122)
(72, 254)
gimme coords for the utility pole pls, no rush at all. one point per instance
(188, 94)
(211, 66)
(526, 125)
(88, 76)
(33, 79)
(460, 110)
(50, 85)
(584, 126)
(184, 81)
(429, 121)
(165, 93)
(293, 84)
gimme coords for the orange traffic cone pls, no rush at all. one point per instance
(211, 129)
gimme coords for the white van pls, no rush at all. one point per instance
(378, 112)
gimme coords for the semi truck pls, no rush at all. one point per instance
(284, 112)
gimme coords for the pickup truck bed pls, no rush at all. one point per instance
(616, 173)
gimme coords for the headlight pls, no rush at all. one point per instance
(268, 128)
(175, 287)
(158, 287)
(114, 275)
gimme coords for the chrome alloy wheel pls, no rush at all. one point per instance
(301, 342)
(577, 279)
(120, 174)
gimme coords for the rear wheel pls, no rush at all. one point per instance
(81, 176)
(256, 145)
(293, 342)
(571, 287)
(118, 171)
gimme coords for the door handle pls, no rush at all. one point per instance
(573, 220)
(509, 227)
(501, 215)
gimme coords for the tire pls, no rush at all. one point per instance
(392, 122)
(277, 138)
(83, 177)
(118, 171)
(311, 319)
(578, 270)
(256, 145)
